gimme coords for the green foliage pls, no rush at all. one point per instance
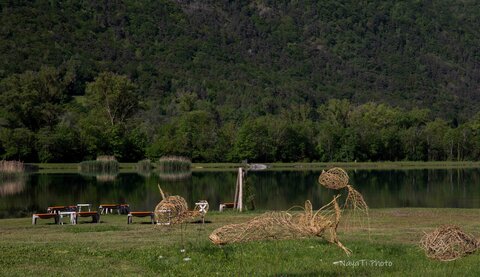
(254, 142)
(33, 99)
(17, 143)
(61, 144)
(113, 97)
(219, 81)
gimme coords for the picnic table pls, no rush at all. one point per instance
(72, 216)
(79, 207)
(106, 208)
(57, 209)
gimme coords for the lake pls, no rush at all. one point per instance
(271, 190)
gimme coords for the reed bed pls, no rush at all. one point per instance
(144, 166)
(174, 164)
(11, 167)
(103, 164)
(106, 158)
(12, 177)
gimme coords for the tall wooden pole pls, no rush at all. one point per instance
(240, 189)
(235, 199)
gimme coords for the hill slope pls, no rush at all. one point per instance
(247, 59)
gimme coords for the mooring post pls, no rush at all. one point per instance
(240, 189)
(235, 199)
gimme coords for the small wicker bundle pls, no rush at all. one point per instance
(448, 243)
(284, 225)
(334, 178)
(172, 209)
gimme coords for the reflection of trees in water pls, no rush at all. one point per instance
(215, 187)
(419, 187)
(174, 176)
(274, 190)
(279, 189)
(102, 177)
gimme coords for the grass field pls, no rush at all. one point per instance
(113, 248)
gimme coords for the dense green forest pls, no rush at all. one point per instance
(231, 80)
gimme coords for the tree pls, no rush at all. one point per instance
(34, 99)
(114, 96)
(60, 144)
(254, 142)
(434, 135)
(17, 144)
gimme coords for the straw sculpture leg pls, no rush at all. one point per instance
(357, 208)
(336, 178)
(333, 230)
(284, 225)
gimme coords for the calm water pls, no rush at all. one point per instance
(271, 189)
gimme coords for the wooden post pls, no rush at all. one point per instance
(235, 199)
(240, 189)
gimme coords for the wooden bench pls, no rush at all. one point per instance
(95, 216)
(226, 206)
(55, 216)
(140, 214)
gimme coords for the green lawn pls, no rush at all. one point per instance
(113, 248)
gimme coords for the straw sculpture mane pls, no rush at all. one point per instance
(285, 225)
(448, 243)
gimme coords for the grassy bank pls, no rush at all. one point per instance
(126, 167)
(115, 248)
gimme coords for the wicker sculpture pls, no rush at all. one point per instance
(448, 243)
(285, 225)
(337, 178)
(173, 210)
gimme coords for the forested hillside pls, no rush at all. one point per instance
(231, 80)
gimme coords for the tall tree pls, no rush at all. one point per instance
(115, 96)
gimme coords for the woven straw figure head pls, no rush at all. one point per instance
(334, 178)
(173, 209)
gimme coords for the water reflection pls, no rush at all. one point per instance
(102, 177)
(273, 190)
(12, 183)
(174, 176)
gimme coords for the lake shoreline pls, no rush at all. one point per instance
(130, 167)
